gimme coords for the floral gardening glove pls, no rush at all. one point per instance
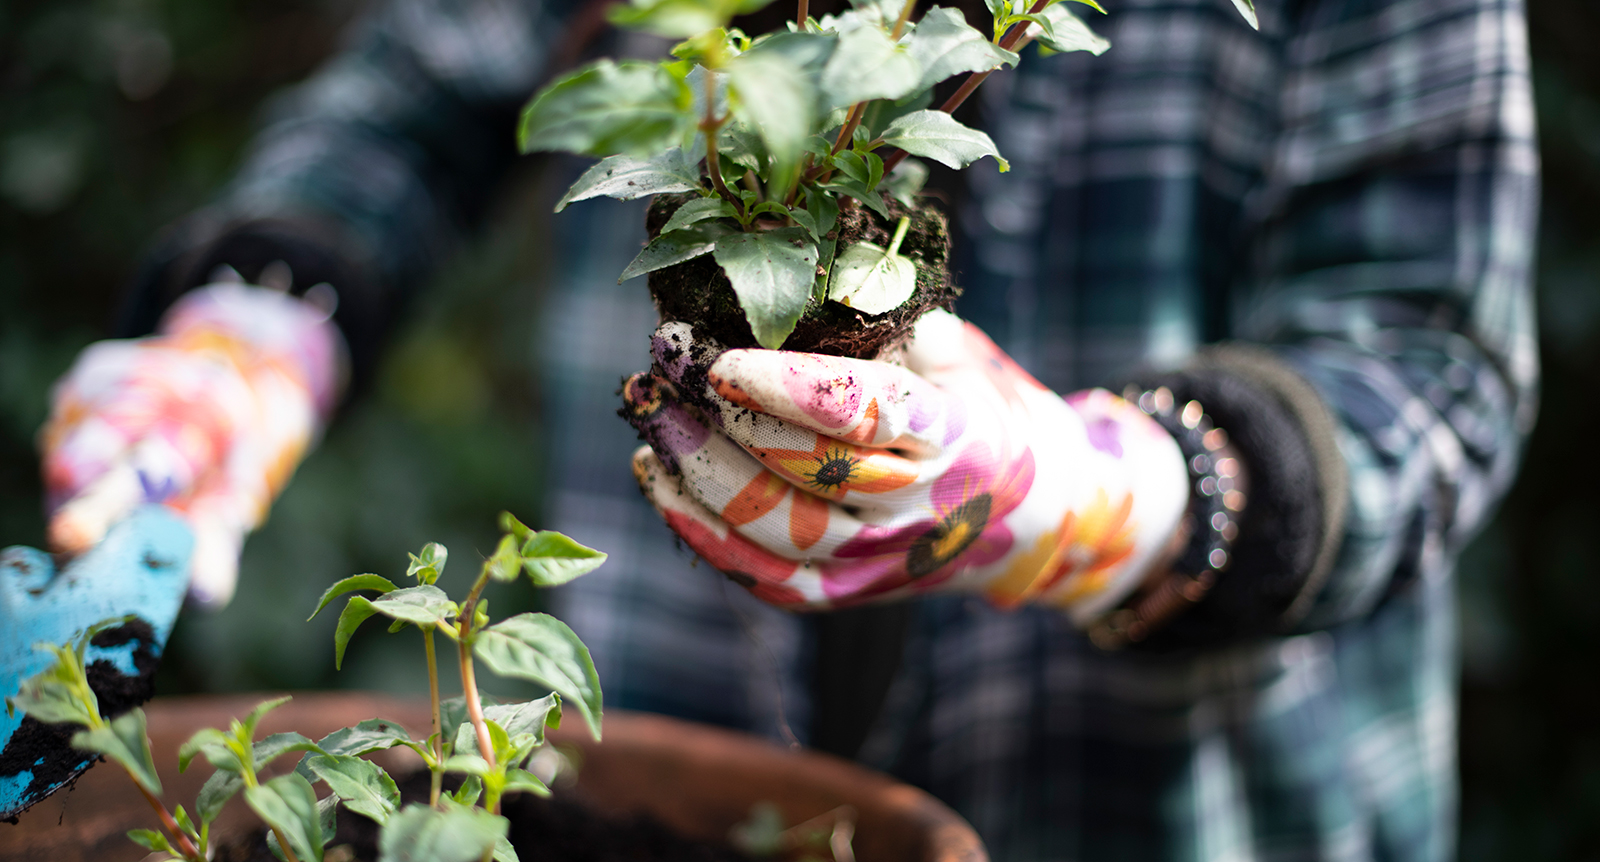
(819, 482)
(209, 417)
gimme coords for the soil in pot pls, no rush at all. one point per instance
(697, 291)
(558, 829)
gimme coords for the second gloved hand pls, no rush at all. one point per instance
(209, 417)
(820, 481)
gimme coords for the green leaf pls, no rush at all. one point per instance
(774, 96)
(254, 718)
(182, 818)
(360, 784)
(676, 19)
(1067, 32)
(1247, 8)
(772, 272)
(853, 166)
(215, 745)
(860, 192)
(906, 180)
(542, 649)
(607, 108)
(279, 744)
(287, 803)
(944, 44)
(698, 210)
(452, 714)
(825, 256)
(742, 145)
(328, 815)
(471, 788)
(149, 839)
(936, 135)
(374, 734)
(354, 614)
(824, 209)
(215, 793)
(626, 178)
(422, 834)
(56, 694)
(522, 779)
(429, 565)
(881, 113)
(868, 65)
(870, 280)
(808, 52)
(471, 764)
(503, 851)
(424, 605)
(356, 582)
(552, 558)
(670, 249)
(505, 564)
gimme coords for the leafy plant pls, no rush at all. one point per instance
(774, 133)
(490, 744)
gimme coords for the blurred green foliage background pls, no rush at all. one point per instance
(119, 116)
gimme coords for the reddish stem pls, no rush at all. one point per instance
(184, 845)
(803, 13)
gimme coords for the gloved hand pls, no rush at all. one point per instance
(209, 417)
(820, 482)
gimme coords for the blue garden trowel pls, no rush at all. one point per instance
(140, 570)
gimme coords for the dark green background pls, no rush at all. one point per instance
(119, 116)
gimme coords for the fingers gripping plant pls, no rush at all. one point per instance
(490, 745)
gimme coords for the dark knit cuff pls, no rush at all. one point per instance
(1290, 530)
(185, 257)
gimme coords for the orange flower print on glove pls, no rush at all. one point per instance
(821, 482)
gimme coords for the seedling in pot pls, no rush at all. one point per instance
(491, 745)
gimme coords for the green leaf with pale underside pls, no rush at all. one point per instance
(871, 279)
(627, 178)
(606, 109)
(351, 584)
(946, 45)
(1067, 32)
(552, 559)
(938, 136)
(868, 65)
(288, 804)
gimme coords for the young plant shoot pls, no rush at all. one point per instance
(489, 744)
(769, 137)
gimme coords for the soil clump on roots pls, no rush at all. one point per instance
(697, 292)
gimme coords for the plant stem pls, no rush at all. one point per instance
(803, 13)
(469, 680)
(709, 127)
(1009, 41)
(469, 687)
(848, 130)
(185, 846)
(905, 16)
(437, 768)
(899, 234)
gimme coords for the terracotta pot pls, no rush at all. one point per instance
(698, 780)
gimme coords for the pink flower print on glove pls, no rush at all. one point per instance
(209, 417)
(820, 481)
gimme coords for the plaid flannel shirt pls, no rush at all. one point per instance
(1353, 187)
